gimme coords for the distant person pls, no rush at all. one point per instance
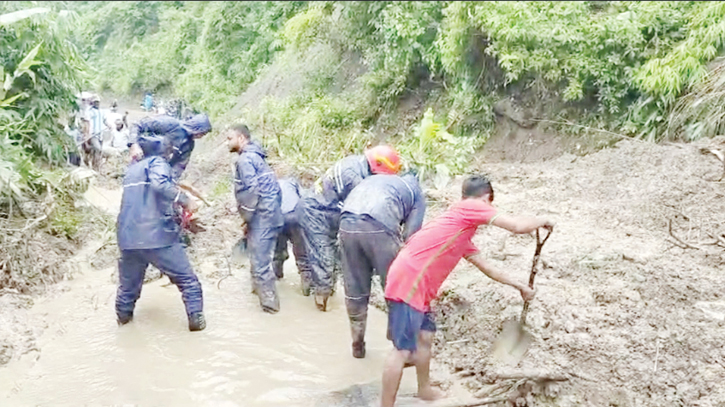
(94, 139)
(76, 137)
(180, 134)
(120, 135)
(370, 237)
(148, 234)
(259, 202)
(421, 267)
(148, 101)
(320, 213)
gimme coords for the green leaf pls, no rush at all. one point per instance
(11, 18)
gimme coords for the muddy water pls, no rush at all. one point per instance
(244, 358)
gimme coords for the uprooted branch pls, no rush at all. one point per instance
(679, 242)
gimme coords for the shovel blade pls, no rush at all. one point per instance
(513, 343)
(240, 251)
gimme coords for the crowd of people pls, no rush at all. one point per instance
(96, 133)
(365, 216)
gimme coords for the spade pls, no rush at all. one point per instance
(515, 339)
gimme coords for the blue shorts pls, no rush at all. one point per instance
(404, 324)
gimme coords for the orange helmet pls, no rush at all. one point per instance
(383, 160)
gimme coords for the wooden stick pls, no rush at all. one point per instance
(681, 244)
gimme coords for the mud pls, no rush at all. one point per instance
(77, 355)
(627, 313)
(636, 320)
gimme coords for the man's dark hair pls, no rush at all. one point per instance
(243, 130)
(476, 186)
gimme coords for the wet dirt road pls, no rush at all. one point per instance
(244, 358)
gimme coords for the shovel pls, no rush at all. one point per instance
(515, 340)
(240, 251)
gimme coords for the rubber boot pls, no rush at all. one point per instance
(305, 283)
(197, 322)
(278, 267)
(268, 298)
(358, 323)
(123, 318)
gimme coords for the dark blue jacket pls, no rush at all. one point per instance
(391, 200)
(339, 180)
(290, 191)
(180, 134)
(256, 189)
(146, 220)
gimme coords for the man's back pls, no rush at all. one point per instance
(390, 200)
(343, 177)
(431, 254)
(146, 217)
(256, 188)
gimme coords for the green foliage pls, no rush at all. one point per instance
(434, 151)
(701, 112)
(620, 65)
(205, 52)
(684, 64)
(40, 73)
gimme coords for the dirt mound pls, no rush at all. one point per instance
(635, 313)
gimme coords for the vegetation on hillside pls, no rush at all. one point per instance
(620, 66)
(40, 74)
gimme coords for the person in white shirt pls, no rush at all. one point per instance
(120, 135)
(94, 139)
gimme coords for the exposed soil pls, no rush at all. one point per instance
(637, 320)
(627, 312)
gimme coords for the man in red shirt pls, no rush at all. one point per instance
(423, 265)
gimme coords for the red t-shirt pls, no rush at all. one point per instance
(430, 255)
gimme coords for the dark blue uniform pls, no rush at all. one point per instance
(370, 237)
(319, 217)
(179, 133)
(292, 233)
(258, 200)
(148, 234)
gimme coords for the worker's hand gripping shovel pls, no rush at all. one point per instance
(515, 340)
(240, 251)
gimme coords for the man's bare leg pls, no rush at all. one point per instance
(422, 366)
(392, 373)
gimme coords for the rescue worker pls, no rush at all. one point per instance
(320, 213)
(370, 237)
(421, 267)
(180, 134)
(258, 200)
(147, 233)
(291, 233)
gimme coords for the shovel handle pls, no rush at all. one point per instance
(532, 276)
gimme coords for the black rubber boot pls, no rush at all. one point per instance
(268, 298)
(358, 350)
(197, 322)
(357, 311)
(278, 266)
(123, 319)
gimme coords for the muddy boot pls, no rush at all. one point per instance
(357, 328)
(305, 283)
(268, 298)
(123, 318)
(197, 322)
(358, 350)
(278, 267)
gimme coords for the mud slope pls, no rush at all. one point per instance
(638, 319)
